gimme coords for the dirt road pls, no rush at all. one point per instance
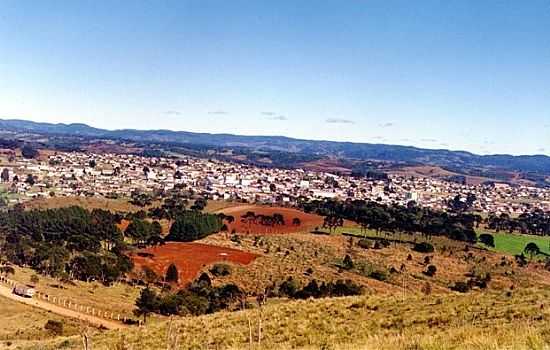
(96, 321)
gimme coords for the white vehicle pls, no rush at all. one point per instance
(24, 291)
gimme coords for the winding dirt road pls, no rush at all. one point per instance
(96, 321)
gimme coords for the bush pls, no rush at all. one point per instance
(347, 263)
(288, 287)
(430, 271)
(172, 274)
(487, 239)
(423, 247)
(461, 287)
(379, 275)
(220, 270)
(339, 288)
(54, 327)
(34, 279)
(364, 243)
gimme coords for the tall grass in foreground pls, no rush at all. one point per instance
(493, 320)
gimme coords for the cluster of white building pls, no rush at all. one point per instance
(110, 175)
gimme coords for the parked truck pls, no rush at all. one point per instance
(24, 291)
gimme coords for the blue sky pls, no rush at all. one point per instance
(469, 75)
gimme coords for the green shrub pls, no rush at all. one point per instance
(460, 286)
(364, 243)
(430, 271)
(347, 263)
(220, 270)
(487, 239)
(423, 247)
(54, 327)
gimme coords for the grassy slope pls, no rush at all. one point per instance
(507, 243)
(468, 321)
(21, 323)
(119, 297)
(512, 243)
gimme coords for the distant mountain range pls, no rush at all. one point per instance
(454, 160)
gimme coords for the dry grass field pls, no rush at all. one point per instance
(308, 256)
(493, 320)
(119, 297)
(115, 205)
(20, 324)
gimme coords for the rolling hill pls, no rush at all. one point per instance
(465, 162)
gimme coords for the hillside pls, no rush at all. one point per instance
(493, 320)
(454, 160)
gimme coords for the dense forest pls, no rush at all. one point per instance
(191, 225)
(75, 243)
(66, 243)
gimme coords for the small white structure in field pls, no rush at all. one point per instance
(24, 291)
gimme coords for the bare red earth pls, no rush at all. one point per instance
(307, 221)
(189, 258)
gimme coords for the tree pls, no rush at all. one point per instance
(332, 222)
(30, 180)
(5, 175)
(172, 274)
(191, 225)
(487, 239)
(347, 263)
(199, 204)
(54, 327)
(430, 271)
(149, 275)
(29, 152)
(146, 303)
(532, 249)
(423, 247)
(140, 230)
(7, 270)
(296, 222)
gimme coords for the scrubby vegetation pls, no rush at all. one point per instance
(197, 299)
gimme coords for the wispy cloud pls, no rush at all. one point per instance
(218, 112)
(386, 125)
(278, 117)
(428, 140)
(541, 150)
(339, 121)
(173, 113)
(268, 113)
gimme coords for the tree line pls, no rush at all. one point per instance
(536, 222)
(66, 243)
(396, 218)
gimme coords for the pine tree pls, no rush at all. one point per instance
(172, 274)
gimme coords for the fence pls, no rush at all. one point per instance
(70, 304)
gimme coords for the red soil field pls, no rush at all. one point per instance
(307, 221)
(189, 258)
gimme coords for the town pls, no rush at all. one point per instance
(118, 175)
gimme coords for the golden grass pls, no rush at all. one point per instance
(118, 298)
(115, 205)
(492, 320)
(20, 323)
